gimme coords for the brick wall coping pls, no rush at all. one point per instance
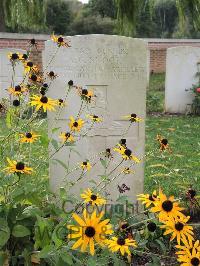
(151, 40)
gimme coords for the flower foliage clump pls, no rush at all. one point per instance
(38, 226)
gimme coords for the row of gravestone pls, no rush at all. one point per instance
(118, 69)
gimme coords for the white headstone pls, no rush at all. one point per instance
(181, 68)
(6, 71)
(116, 68)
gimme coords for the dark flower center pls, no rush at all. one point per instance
(43, 91)
(179, 226)
(75, 124)
(84, 92)
(108, 150)
(51, 74)
(70, 83)
(195, 261)
(18, 88)
(29, 64)
(33, 41)
(151, 227)
(133, 115)
(124, 226)
(121, 241)
(164, 141)
(44, 99)
(123, 141)
(33, 77)
(67, 135)
(60, 101)
(84, 163)
(95, 116)
(14, 56)
(128, 152)
(90, 231)
(16, 102)
(29, 135)
(20, 166)
(152, 198)
(25, 56)
(192, 193)
(167, 205)
(93, 197)
(45, 85)
(60, 39)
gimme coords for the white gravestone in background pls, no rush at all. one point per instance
(116, 68)
(6, 71)
(181, 68)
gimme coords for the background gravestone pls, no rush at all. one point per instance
(181, 68)
(116, 68)
(6, 71)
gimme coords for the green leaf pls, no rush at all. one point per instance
(103, 162)
(54, 143)
(4, 232)
(67, 257)
(161, 245)
(9, 118)
(55, 129)
(20, 231)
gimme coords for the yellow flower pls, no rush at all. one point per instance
(164, 144)
(126, 153)
(188, 246)
(166, 207)
(92, 198)
(13, 57)
(59, 40)
(17, 90)
(190, 258)
(86, 166)
(94, 118)
(75, 125)
(85, 94)
(90, 229)
(17, 167)
(133, 118)
(52, 75)
(127, 171)
(35, 78)
(66, 137)
(148, 199)
(23, 57)
(179, 229)
(29, 66)
(121, 244)
(28, 137)
(43, 102)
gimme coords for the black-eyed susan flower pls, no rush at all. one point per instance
(123, 142)
(14, 57)
(44, 89)
(30, 67)
(94, 118)
(191, 258)
(121, 244)
(35, 78)
(61, 102)
(17, 167)
(23, 57)
(75, 125)
(90, 230)
(164, 143)
(166, 207)
(151, 227)
(17, 90)
(70, 83)
(85, 94)
(133, 118)
(179, 229)
(43, 102)
(92, 198)
(16, 103)
(60, 41)
(66, 137)
(187, 247)
(52, 75)
(127, 171)
(148, 199)
(29, 137)
(126, 153)
(86, 165)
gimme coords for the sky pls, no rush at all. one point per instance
(84, 1)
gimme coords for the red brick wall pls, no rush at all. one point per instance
(157, 47)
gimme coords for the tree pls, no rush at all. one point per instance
(58, 16)
(127, 12)
(24, 15)
(104, 8)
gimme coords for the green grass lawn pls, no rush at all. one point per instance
(182, 166)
